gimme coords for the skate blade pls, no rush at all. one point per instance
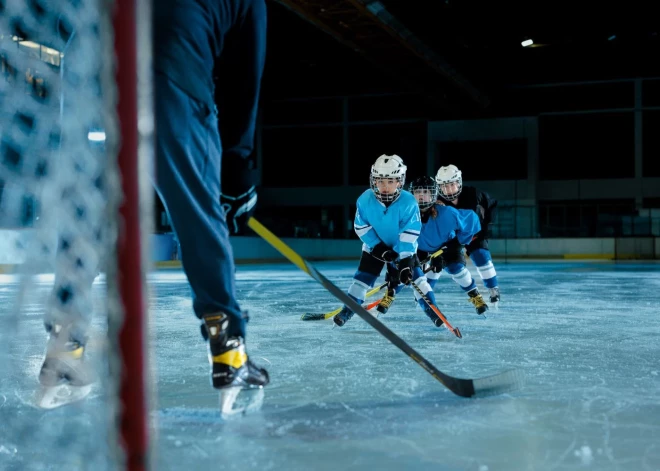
(61, 395)
(238, 401)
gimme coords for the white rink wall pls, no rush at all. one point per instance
(252, 249)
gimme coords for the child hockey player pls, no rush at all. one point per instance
(447, 228)
(454, 194)
(388, 222)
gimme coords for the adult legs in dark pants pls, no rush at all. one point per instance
(189, 154)
(189, 157)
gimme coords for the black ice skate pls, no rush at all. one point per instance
(65, 376)
(433, 316)
(385, 303)
(478, 301)
(239, 380)
(343, 317)
(494, 296)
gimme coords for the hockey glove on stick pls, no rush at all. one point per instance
(392, 276)
(384, 253)
(239, 193)
(437, 264)
(405, 270)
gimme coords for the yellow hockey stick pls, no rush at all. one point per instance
(498, 383)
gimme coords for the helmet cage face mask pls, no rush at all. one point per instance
(386, 197)
(388, 176)
(425, 192)
(450, 182)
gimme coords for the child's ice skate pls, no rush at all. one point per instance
(495, 297)
(386, 302)
(433, 316)
(343, 317)
(478, 301)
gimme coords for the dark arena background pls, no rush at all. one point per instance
(550, 108)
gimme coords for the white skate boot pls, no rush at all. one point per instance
(65, 377)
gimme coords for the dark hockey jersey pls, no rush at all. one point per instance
(478, 201)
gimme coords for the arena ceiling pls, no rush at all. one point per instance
(460, 53)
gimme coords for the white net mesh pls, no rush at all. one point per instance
(59, 199)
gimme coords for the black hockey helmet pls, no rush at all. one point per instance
(425, 191)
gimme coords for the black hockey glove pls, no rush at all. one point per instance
(384, 253)
(405, 270)
(391, 276)
(437, 264)
(239, 192)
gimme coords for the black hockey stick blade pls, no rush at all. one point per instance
(317, 316)
(313, 316)
(490, 385)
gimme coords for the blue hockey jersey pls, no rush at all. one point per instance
(397, 225)
(446, 225)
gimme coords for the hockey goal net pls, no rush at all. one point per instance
(74, 200)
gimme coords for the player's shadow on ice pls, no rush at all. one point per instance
(332, 418)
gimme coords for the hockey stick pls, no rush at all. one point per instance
(318, 316)
(435, 309)
(495, 384)
(373, 305)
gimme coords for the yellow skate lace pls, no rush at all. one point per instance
(386, 301)
(478, 301)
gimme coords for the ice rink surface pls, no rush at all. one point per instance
(585, 334)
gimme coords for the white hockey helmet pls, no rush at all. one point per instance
(446, 176)
(388, 167)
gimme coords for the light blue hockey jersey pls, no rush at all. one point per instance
(397, 226)
(449, 223)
